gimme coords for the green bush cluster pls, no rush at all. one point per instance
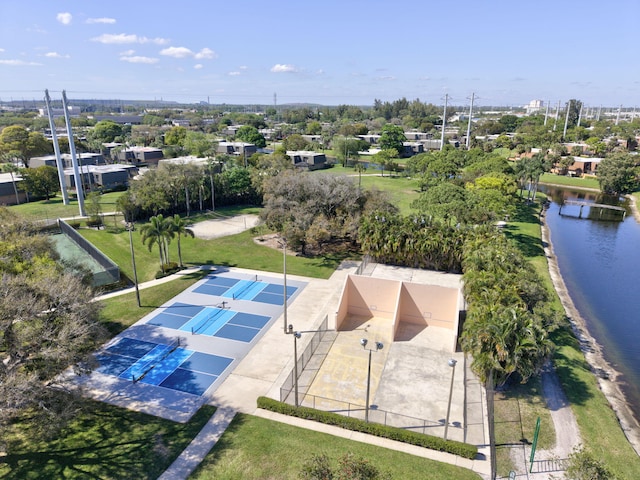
(406, 436)
(169, 269)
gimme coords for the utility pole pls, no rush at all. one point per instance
(444, 120)
(580, 115)
(56, 149)
(555, 122)
(546, 114)
(566, 120)
(74, 158)
(469, 124)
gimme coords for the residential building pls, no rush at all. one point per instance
(307, 160)
(7, 193)
(103, 177)
(83, 159)
(140, 155)
(237, 148)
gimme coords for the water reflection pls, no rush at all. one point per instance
(599, 263)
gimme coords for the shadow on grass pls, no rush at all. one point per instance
(529, 245)
(104, 442)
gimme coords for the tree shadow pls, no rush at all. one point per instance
(106, 442)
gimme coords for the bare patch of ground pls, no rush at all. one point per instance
(220, 227)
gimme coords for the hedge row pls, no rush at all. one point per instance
(406, 436)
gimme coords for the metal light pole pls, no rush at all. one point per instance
(379, 346)
(296, 336)
(452, 364)
(284, 293)
(133, 261)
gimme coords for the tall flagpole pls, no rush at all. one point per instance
(74, 158)
(56, 149)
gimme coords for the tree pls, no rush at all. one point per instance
(348, 147)
(17, 141)
(250, 134)
(106, 131)
(294, 142)
(197, 144)
(158, 231)
(48, 323)
(179, 227)
(175, 136)
(617, 174)
(583, 465)
(392, 137)
(42, 181)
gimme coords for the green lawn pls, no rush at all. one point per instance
(598, 424)
(233, 251)
(55, 208)
(256, 448)
(107, 443)
(401, 190)
(553, 179)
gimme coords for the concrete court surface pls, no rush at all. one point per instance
(399, 383)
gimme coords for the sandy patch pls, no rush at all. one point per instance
(220, 227)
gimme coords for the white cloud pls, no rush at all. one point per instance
(198, 66)
(64, 18)
(19, 63)
(233, 74)
(243, 67)
(101, 20)
(139, 59)
(205, 53)
(184, 52)
(128, 53)
(280, 68)
(123, 38)
(55, 55)
(1, 50)
(177, 52)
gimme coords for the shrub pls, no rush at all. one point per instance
(584, 466)
(406, 436)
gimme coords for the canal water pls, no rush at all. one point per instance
(600, 263)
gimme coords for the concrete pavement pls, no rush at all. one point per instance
(407, 391)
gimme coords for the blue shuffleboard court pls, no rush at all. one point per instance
(253, 290)
(173, 360)
(163, 365)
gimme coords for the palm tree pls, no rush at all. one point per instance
(179, 227)
(158, 232)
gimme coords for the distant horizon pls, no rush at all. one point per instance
(56, 99)
(333, 53)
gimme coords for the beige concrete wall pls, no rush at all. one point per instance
(432, 305)
(366, 296)
(398, 302)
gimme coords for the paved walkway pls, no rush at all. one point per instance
(193, 455)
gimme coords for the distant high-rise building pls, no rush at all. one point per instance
(534, 106)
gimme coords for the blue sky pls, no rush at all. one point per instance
(328, 52)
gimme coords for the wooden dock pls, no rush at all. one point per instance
(583, 204)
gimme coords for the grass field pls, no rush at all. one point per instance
(105, 443)
(55, 208)
(255, 448)
(233, 251)
(550, 178)
(599, 427)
